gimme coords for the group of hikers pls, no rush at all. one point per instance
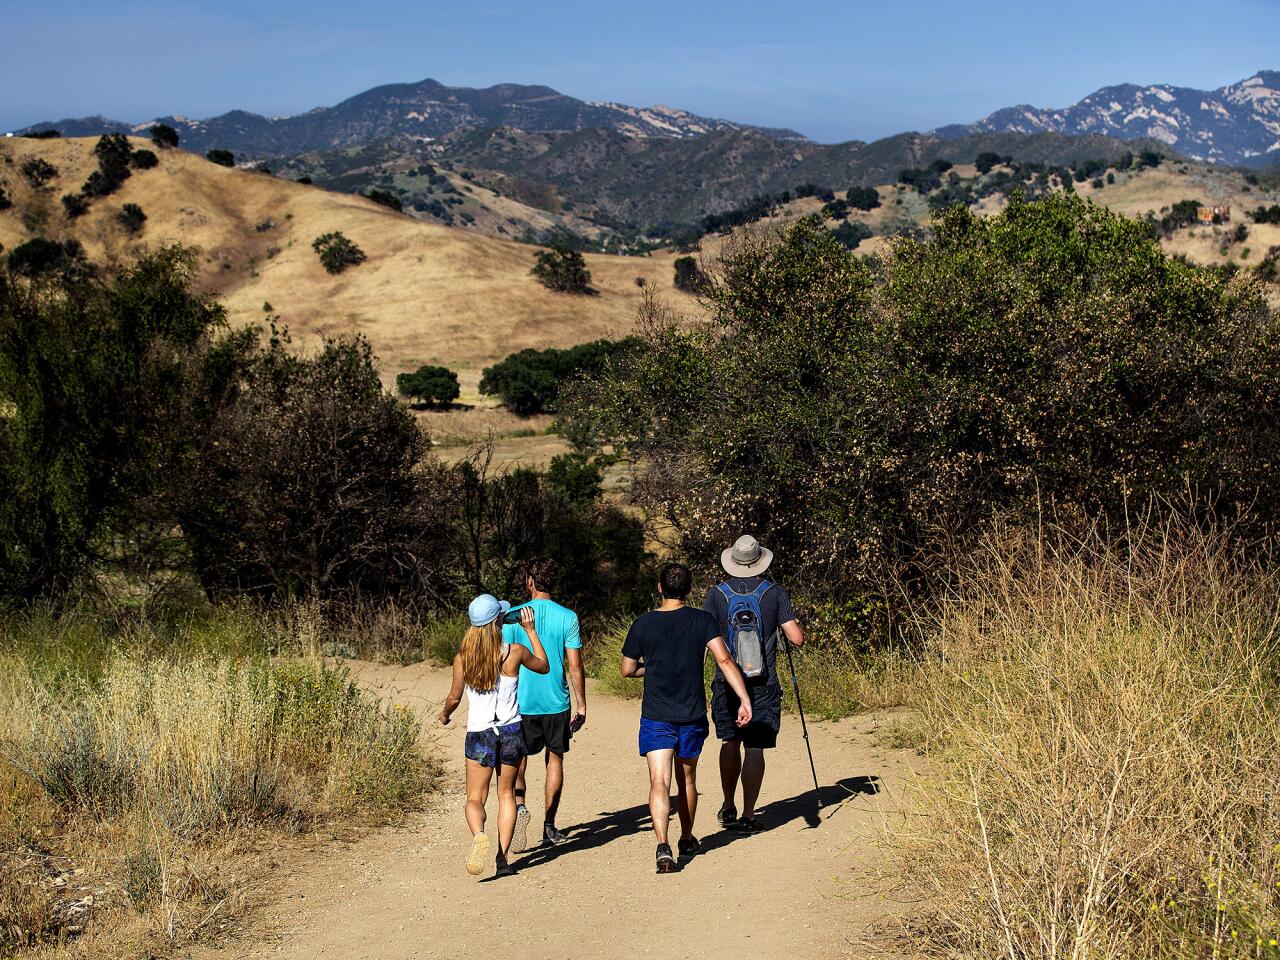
(516, 666)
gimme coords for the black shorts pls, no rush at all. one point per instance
(546, 731)
(766, 714)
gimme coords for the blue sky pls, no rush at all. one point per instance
(835, 71)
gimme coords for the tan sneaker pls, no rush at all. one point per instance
(520, 839)
(479, 854)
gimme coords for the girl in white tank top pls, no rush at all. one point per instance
(488, 670)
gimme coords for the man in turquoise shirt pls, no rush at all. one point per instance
(544, 698)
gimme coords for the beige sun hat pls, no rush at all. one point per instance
(746, 558)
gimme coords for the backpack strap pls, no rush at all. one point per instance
(761, 589)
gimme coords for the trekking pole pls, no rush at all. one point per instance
(804, 728)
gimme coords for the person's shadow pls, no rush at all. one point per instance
(610, 826)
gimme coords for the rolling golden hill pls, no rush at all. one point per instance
(426, 294)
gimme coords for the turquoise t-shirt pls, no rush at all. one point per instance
(557, 628)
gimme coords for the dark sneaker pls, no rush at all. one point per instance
(746, 825)
(728, 815)
(688, 846)
(553, 836)
(504, 869)
(520, 838)
(666, 862)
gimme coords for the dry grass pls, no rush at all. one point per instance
(1105, 723)
(427, 294)
(133, 785)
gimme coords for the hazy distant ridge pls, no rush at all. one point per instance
(1237, 124)
(426, 110)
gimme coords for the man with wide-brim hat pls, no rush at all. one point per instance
(746, 567)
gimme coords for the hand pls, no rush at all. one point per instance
(444, 719)
(526, 619)
(579, 720)
(744, 713)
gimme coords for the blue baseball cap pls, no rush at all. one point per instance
(485, 609)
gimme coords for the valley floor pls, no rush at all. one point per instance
(819, 892)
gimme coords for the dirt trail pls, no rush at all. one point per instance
(790, 891)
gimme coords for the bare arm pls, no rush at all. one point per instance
(578, 679)
(795, 636)
(632, 667)
(733, 677)
(454, 696)
(534, 660)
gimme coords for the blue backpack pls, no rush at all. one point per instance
(746, 640)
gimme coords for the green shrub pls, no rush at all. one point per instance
(163, 135)
(223, 158)
(689, 276)
(1051, 355)
(40, 255)
(90, 366)
(851, 233)
(38, 171)
(562, 270)
(131, 217)
(144, 160)
(432, 385)
(337, 252)
(386, 198)
(986, 161)
(863, 198)
(529, 382)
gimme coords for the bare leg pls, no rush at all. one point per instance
(752, 777)
(660, 790)
(555, 784)
(477, 795)
(506, 806)
(730, 767)
(524, 762)
(687, 793)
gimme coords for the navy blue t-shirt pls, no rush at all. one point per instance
(775, 610)
(672, 644)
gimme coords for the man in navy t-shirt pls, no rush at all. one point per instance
(667, 647)
(746, 566)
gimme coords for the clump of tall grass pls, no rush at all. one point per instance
(146, 763)
(1105, 717)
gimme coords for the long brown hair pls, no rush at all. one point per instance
(482, 655)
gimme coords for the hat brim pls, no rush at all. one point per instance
(503, 607)
(736, 569)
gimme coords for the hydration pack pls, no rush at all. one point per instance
(746, 633)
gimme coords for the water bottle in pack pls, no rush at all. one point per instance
(746, 631)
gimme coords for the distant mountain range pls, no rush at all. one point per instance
(426, 110)
(1238, 124)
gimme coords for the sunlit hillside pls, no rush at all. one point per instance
(426, 293)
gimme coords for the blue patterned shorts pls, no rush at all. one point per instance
(491, 748)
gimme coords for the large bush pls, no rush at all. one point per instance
(530, 381)
(432, 385)
(314, 483)
(337, 252)
(86, 364)
(562, 270)
(1051, 355)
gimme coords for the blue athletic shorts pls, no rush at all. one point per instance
(493, 748)
(685, 738)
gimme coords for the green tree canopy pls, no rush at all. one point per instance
(562, 270)
(1052, 354)
(432, 385)
(163, 135)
